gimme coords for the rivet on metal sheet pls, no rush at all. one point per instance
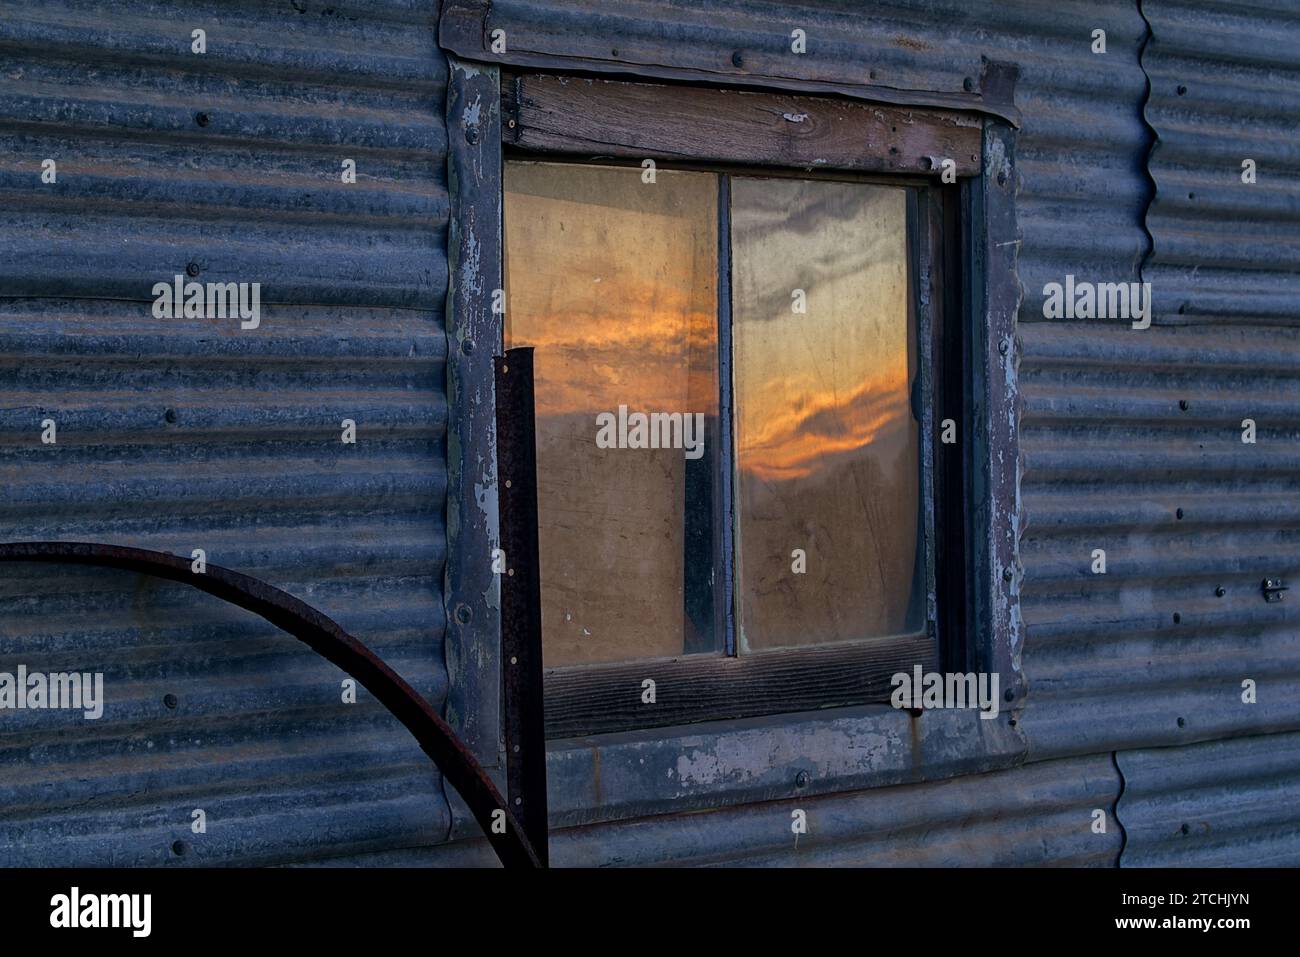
(1272, 589)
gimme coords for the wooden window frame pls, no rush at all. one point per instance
(546, 116)
(557, 119)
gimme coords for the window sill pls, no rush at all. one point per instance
(778, 757)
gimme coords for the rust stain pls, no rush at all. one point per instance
(911, 43)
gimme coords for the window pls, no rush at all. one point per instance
(827, 443)
(615, 285)
(521, 139)
(735, 382)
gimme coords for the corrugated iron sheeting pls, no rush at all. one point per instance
(1036, 815)
(1225, 87)
(183, 433)
(1222, 803)
(880, 44)
(1109, 455)
(736, 42)
(1132, 439)
(1110, 460)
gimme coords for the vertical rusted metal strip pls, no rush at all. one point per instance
(521, 596)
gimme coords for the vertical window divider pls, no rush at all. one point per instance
(725, 454)
(922, 321)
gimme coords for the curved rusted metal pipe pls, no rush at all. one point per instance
(326, 638)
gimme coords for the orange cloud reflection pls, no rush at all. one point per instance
(792, 440)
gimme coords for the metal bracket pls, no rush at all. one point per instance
(521, 590)
(1272, 589)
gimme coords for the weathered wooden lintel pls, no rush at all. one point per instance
(570, 115)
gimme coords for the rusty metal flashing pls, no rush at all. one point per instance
(324, 636)
(466, 29)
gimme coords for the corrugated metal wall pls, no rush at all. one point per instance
(1038, 814)
(1133, 438)
(182, 433)
(1228, 802)
(1121, 428)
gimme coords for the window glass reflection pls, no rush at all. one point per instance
(828, 460)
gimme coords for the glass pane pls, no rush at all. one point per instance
(828, 458)
(613, 281)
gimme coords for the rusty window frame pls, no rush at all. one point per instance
(477, 128)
